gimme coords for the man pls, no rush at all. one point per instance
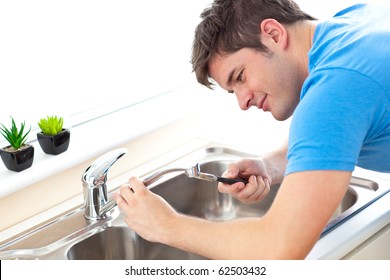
(331, 76)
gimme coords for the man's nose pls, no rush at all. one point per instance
(243, 98)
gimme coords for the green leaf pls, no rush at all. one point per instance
(51, 125)
(15, 137)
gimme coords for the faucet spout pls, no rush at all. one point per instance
(94, 180)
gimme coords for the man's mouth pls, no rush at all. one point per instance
(261, 103)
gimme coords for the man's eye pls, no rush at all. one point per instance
(239, 77)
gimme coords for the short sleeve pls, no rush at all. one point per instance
(332, 121)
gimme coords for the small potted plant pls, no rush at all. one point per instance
(53, 138)
(19, 155)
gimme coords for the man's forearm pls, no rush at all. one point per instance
(276, 162)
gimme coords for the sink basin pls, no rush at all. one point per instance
(121, 243)
(188, 196)
(114, 243)
(74, 238)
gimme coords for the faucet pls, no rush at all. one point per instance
(94, 180)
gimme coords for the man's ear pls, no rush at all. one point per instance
(273, 32)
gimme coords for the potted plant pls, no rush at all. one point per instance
(19, 155)
(53, 138)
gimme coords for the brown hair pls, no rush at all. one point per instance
(230, 25)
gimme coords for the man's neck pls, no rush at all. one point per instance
(301, 37)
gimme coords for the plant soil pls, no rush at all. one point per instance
(12, 150)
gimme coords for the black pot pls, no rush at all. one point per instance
(54, 144)
(18, 160)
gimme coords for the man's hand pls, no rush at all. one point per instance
(258, 185)
(146, 213)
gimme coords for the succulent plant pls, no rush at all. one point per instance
(51, 125)
(16, 137)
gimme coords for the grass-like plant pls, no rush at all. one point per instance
(51, 125)
(15, 136)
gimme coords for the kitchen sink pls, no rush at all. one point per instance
(113, 243)
(121, 243)
(188, 196)
(71, 236)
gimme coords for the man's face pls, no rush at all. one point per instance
(266, 81)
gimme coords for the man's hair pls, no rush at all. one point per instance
(230, 25)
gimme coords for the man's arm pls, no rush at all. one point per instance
(305, 203)
(276, 162)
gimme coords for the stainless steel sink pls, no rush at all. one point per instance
(71, 236)
(114, 243)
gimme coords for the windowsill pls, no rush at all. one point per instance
(101, 135)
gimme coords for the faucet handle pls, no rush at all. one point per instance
(94, 184)
(96, 174)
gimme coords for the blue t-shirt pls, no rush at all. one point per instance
(343, 118)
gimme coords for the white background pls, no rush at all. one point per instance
(83, 58)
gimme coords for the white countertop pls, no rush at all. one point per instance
(353, 232)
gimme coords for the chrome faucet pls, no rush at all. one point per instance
(94, 179)
(96, 201)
